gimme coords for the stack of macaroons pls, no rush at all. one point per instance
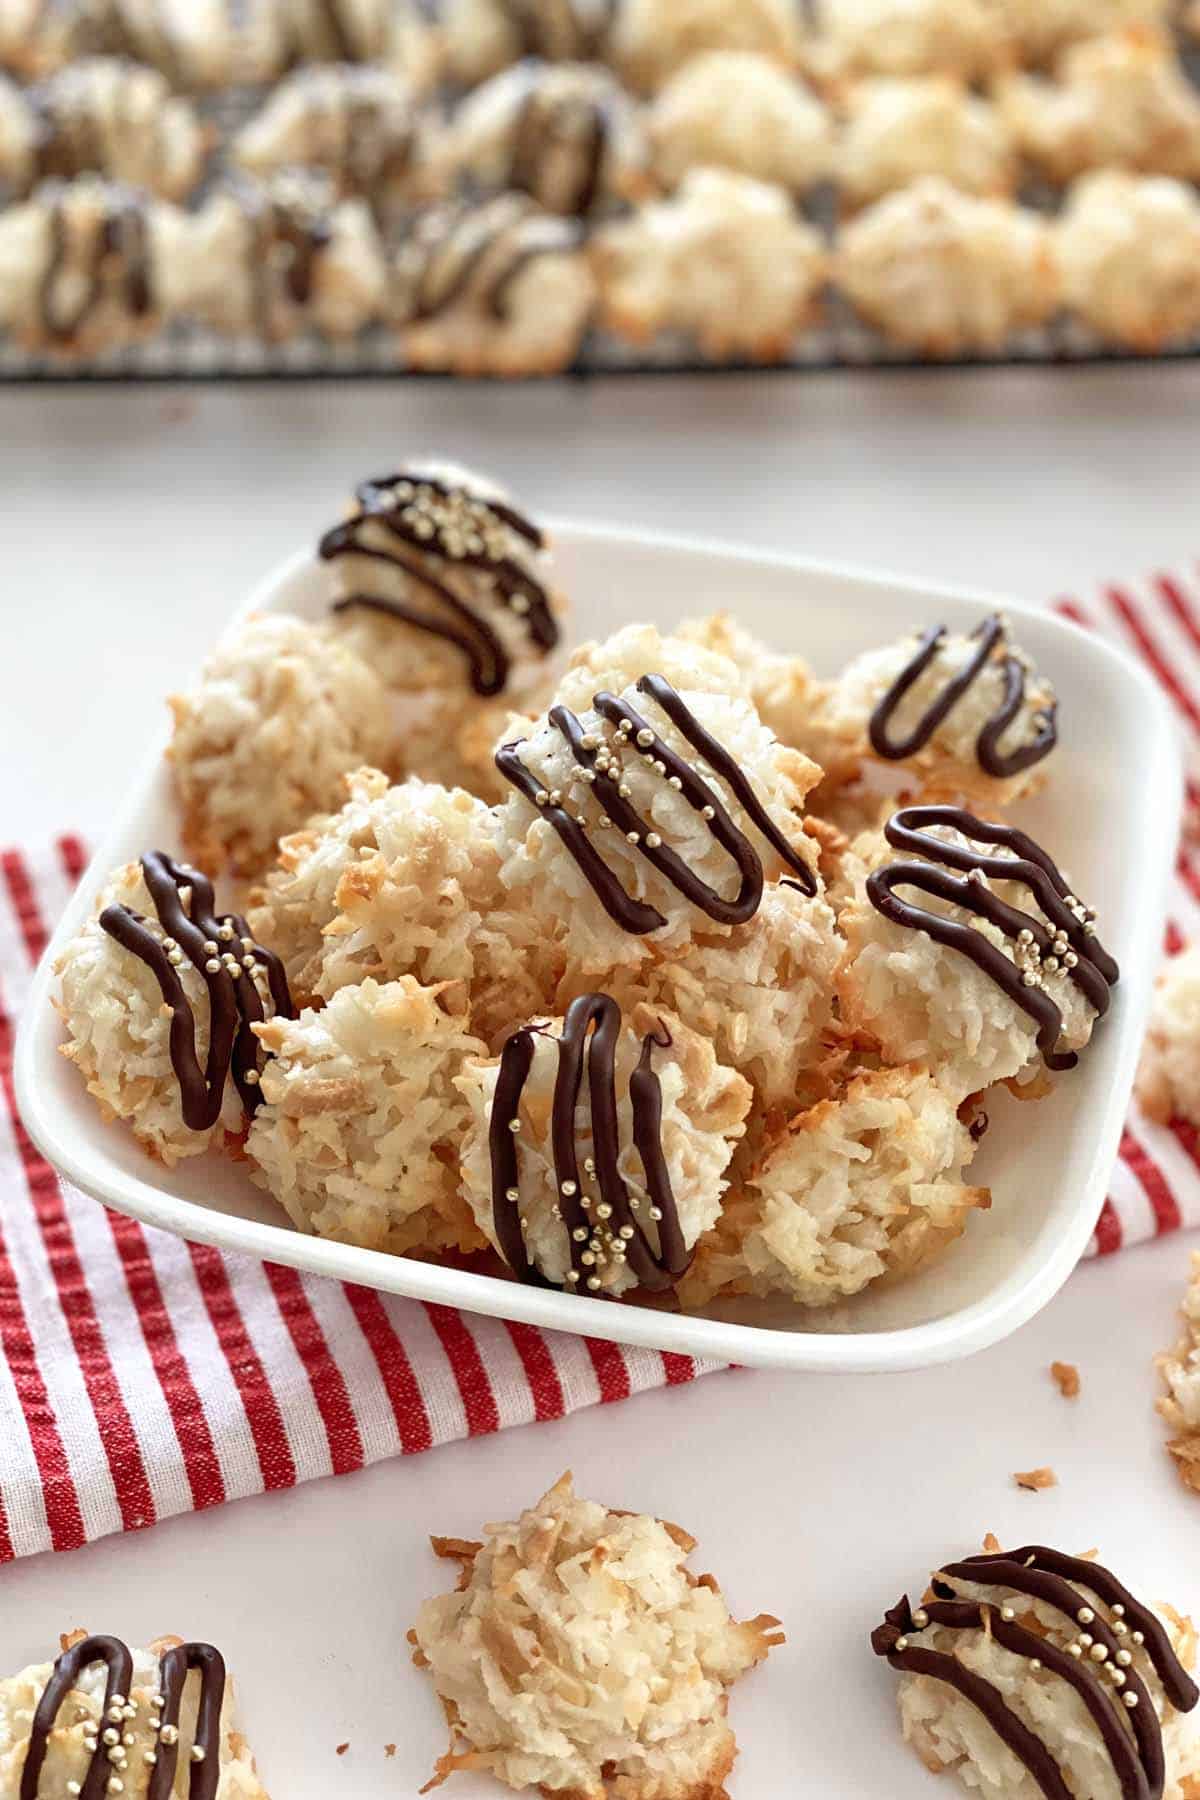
(636, 974)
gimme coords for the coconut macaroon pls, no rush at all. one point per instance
(945, 273)
(32, 37)
(761, 993)
(448, 590)
(789, 697)
(88, 266)
(118, 119)
(895, 131)
(650, 804)
(1117, 102)
(738, 109)
(1168, 1083)
(493, 287)
(282, 712)
(18, 138)
(171, 1707)
(598, 1145)
(1040, 29)
(652, 39)
(279, 35)
(157, 993)
(478, 38)
(565, 133)
(726, 260)
(959, 715)
(867, 1183)
(1030, 1673)
(285, 255)
(580, 1655)
(359, 1132)
(966, 38)
(194, 43)
(969, 954)
(381, 888)
(403, 881)
(1180, 1371)
(356, 122)
(1129, 250)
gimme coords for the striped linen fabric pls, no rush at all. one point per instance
(1155, 1186)
(143, 1377)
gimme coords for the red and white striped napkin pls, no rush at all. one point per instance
(142, 1377)
(1155, 1186)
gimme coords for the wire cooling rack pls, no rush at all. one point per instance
(187, 353)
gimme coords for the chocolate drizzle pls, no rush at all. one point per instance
(602, 773)
(120, 238)
(559, 144)
(1059, 937)
(225, 955)
(1099, 1662)
(288, 231)
(205, 1773)
(428, 520)
(476, 251)
(602, 1220)
(991, 637)
(359, 133)
(559, 30)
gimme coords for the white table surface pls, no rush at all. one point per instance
(133, 521)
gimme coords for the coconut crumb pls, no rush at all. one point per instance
(1066, 1378)
(1034, 1480)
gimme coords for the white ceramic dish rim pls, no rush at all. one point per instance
(957, 1334)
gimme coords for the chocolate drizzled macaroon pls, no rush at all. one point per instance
(491, 287)
(160, 994)
(286, 255)
(963, 715)
(88, 265)
(478, 38)
(446, 588)
(969, 952)
(597, 1147)
(1039, 1676)
(566, 134)
(104, 1720)
(195, 43)
(617, 1660)
(358, 123)
(107, 116)
(649, 802)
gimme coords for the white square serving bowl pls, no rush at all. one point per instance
(1110, 816)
